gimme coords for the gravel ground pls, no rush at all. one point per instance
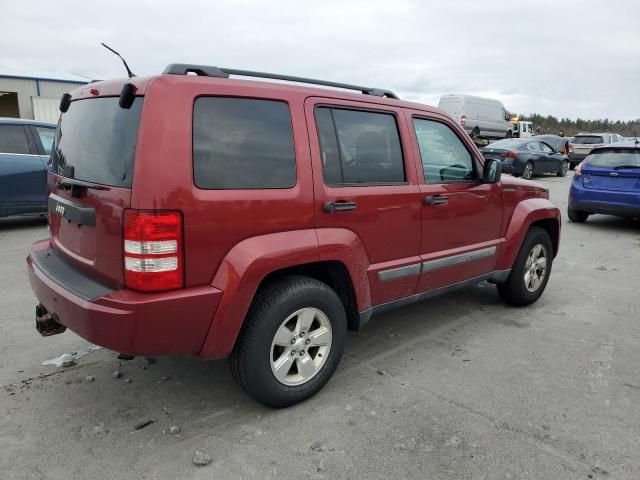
(459, 387)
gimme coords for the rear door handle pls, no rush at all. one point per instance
(331, 207)
(436, 200)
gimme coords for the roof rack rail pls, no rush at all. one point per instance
(211, 71)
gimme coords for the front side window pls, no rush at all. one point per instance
(546, 148)
(13, 139)
(533, 146)
(444, 157)
(242, 143)
(47, 136)
(359, 147)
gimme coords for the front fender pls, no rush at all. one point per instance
(524, 215)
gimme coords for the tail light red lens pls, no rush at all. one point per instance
(510, 154)
(153, 253)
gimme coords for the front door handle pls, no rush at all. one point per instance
(339, 206)
(436, 200)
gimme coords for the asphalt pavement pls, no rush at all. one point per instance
(457, 387)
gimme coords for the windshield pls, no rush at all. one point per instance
(615, 158)
(98, 139)
(506, 143)
(587, 140)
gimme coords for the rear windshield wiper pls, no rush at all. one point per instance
(72, 182)
(620, 167)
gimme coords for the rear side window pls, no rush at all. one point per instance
(98, 139)
(359, 147)
(13, 139)
(444, 157)
(242, 143)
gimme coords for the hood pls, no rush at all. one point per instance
(526, 187)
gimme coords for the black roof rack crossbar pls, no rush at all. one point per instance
(209, 71)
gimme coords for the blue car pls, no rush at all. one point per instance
(25, 146)
(608, 182)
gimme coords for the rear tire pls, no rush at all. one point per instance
(563, 169)
(572, 165)
(577, 216)
(531, 270)
(509, 134)
(278, 371)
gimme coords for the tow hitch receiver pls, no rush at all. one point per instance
(46, 323)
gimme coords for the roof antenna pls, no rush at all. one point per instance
(129, 72)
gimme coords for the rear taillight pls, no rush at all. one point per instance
(463, 120)
(510, 154)
(153, 258)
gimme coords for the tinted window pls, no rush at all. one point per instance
(546, 148)
(364, 147)
(533, 146)
(47, 136)
(587, 140)
(98, 138)
(444, 156)
(242, 143)
(615, 158)
(506, 144)
(13, 139)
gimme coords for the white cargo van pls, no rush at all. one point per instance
(480, 117)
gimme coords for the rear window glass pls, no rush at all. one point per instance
(13, 139)
(615, 158)
(587, 140)
(507, 143)
(242, 143)
(98, 139)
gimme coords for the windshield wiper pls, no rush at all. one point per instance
(620, 167)
(72, 182)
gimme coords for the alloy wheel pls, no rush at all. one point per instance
(535, 269)
(528, 171)
(300, 346)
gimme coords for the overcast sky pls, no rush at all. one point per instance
(565, 58)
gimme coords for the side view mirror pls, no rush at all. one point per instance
(492, 171)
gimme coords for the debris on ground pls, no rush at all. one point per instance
(173, 429)
(143, 424)
(116, 374)
(89, 378)
(201, 458)
(165, 378)
(127, 380)
(69, 359)
(149, 360)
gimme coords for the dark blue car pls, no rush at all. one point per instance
(25, 146)
(608, 182)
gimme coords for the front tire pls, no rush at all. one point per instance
(291, 343)
(531, 270)
(577, 216)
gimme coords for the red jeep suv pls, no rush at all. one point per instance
(192, 213)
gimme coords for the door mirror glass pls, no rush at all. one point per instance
(492, 171)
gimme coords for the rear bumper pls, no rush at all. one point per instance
(607, 202)
(167, 323)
